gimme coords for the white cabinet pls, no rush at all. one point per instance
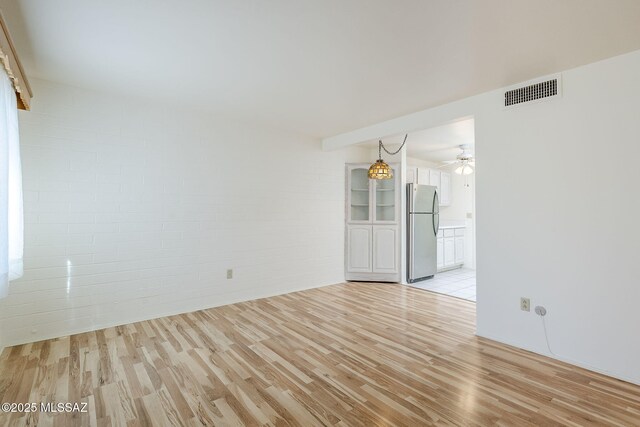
(439, 179)
(450, 246)
(412, 175)
(359, 248)
(373, 252)
(385, 254)
(372, 247)
(358, 194)
(434, 178)
(386, 199)
(449, 252)
(372, 201)
(424, 176)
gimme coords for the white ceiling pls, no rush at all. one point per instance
(320, 67)
(436, 144)
(443, 142)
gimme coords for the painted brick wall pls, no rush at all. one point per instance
(135, 211)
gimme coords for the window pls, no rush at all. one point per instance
(11, 216)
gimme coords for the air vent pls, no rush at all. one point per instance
(532, 92)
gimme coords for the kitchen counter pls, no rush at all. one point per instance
(452, 224)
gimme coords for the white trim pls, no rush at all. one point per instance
(559, 358)
(99, 326)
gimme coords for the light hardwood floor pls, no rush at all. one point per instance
(348, 354)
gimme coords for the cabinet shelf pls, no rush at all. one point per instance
(359, 205)
(390, 205)
(384, 189)
(360, 189)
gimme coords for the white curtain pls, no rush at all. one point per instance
(11, 218)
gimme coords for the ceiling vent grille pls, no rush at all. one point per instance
(536, 91)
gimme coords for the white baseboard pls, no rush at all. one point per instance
(134, 319)
(561, 359)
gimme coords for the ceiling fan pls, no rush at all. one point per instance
(464, 162)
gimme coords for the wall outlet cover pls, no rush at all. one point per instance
(525, 304)
(230, 273)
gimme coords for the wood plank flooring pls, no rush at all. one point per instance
(346, 355)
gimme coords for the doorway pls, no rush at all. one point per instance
(444, 157)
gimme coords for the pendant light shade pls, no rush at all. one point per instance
(380, 170)
(464, 169)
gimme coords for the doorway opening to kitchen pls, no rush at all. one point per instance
(442, 158)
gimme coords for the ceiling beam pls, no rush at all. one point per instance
(425, 119)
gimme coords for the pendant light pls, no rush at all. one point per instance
(380, 169)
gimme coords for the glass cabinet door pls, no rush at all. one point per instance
(359, 197)
(385, 198)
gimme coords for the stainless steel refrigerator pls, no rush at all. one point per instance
(423, 221)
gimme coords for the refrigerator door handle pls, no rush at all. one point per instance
(411, 246)
(436, 213)
(436, 203)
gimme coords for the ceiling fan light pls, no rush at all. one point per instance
(380, 170)
(464, 170)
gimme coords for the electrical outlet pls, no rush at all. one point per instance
(230, 273)
(525, 304)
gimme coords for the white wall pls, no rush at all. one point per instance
(462, 202)
(556, 228)
(550, 225)
(463, 209)
(135, 211)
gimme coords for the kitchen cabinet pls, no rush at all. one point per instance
(439, 179)
(424, 177)
(372, 249)
(450, 246)
(434, 178)
(449, 252)
(412, 175)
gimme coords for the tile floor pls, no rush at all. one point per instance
(459, 283)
